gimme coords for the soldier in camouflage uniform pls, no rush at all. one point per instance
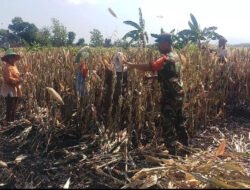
(168, 69)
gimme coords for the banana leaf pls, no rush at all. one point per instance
(131, 23)
(195, 23)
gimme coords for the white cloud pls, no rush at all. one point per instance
(77, 2)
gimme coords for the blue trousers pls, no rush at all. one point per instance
(80, 83)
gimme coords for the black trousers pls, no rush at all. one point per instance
(121, 83)
(11, 106)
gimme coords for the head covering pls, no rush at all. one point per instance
(82, 52)
(117, 59)
(222, 40)
(165, 37)
(83, 49)
(119, 55)
(10, 53)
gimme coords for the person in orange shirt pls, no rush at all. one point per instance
(11, 87)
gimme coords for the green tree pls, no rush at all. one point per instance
(139, 34)
(43, 36)
(96, 38)
(107, 42)
(196, 35)
(4, 35)
(59, 33)
(80, 42)
(122, 43)
(24, 30)
(71, 37)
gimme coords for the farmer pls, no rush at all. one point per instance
(81, 70)
(168, 69)
(11, 87)
(121, 76)
(222, 51)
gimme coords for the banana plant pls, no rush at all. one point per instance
(178, 40)
(196, 35)
(139, 34)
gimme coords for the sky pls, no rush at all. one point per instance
(82, 16)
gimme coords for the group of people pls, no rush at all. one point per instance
(167, 67)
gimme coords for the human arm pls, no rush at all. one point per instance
(153, 66)
(142, 67)
(11, 76)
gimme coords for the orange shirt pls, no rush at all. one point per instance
(11, 78)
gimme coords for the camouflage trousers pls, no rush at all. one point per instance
(173, 121)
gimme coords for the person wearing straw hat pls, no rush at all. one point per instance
(11, 87)
(168, 70)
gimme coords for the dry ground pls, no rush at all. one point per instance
(23, 166)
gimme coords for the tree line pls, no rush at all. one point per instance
(20, 33)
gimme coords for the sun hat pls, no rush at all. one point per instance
(10, 53)
(222, 40)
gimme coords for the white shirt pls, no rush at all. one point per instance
(221, 52)
(117, 61)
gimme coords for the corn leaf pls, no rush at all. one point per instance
(3, 164)
(221, 148)
(66, 186)
(149, 182)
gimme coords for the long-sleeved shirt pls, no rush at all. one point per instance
(11, 81)
(118, 66)
(222, 52)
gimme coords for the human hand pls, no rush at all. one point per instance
(128, 64)
(77, 66)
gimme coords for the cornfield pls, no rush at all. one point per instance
(209, 87)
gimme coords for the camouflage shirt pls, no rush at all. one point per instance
(168, 68)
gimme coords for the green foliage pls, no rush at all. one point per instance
(122, 43)
(4, 37)
(96, 38)
(178, 40)
(80, 42)
(59, 37)
(71, 37)
(107, 42)
(23, 30)
(139, 34)
(44, 37)
(196, 35)
(33, 47)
